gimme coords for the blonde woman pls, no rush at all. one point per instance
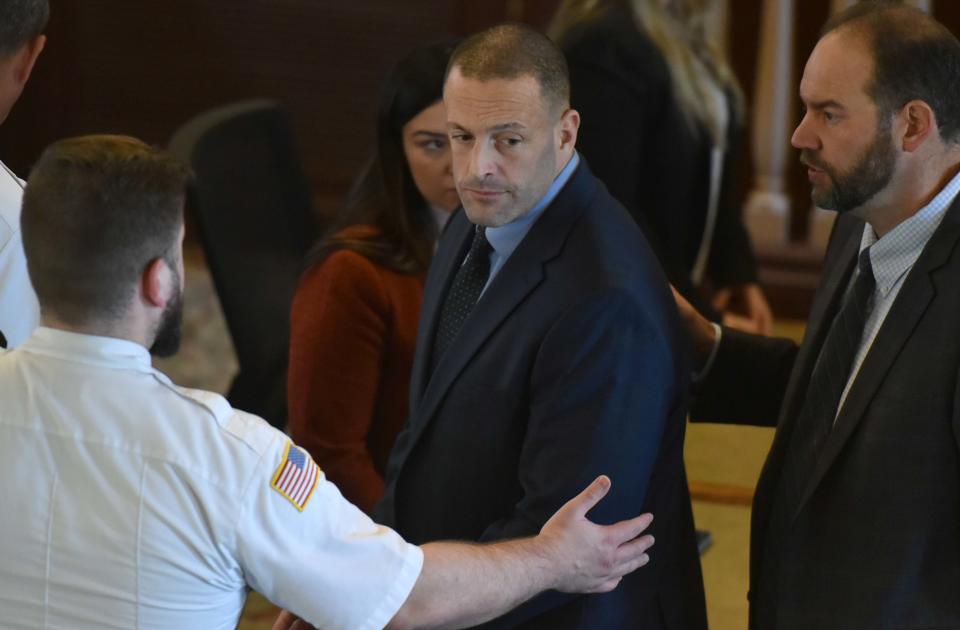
(660, 110)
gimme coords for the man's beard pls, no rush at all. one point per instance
(869, 175)
(167, 341)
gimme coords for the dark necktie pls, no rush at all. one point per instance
(463, 294)
(829, 378)
(820, 406)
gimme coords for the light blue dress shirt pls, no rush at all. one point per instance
(505, 239)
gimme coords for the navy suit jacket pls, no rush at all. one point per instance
(568, 367)
(874, 541)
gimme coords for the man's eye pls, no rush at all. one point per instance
(829, 116)
(461, 137)
(511, 142)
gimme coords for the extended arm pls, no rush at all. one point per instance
(747, 379)
(463, 584)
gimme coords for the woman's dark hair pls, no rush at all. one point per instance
(385, 195)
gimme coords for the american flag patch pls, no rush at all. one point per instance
(296, 476)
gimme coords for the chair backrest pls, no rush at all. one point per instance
(256, 223)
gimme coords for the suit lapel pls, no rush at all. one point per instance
(452, 248)
(520, 275)
(822, 312)
(908, 308)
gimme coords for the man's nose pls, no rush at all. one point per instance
(803, 136)
(483, 162)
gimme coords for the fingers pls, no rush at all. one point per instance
(628, 552)
(721, 298)
(758, 308)
(628, 530)
(739, 322)
(590, 496)
(285, 621)
(633, 564)
(619, 572)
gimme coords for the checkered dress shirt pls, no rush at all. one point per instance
(892, 257)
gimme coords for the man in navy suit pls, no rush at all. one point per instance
(548, 348)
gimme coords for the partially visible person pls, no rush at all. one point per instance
(131, 502)
(548, 349)
(21, 40)
(354, 316)
(661, 113)
(857, 510)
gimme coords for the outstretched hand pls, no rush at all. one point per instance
(593, 558)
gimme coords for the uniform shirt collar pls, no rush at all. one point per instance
(504, 239)
(88, 349)
(895, 253)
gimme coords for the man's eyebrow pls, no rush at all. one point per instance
(510, 126)
(823, 104)
(431, 134)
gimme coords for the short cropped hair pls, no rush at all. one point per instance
(96, 211)
(915, 57)
(513, 50)
(21, 21)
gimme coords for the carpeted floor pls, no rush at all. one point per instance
(723, 461)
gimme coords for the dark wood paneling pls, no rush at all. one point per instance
(810, 16)
(143, 68)
(745, 27)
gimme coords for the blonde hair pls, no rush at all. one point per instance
(679, 32)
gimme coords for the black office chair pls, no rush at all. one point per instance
(256, 223)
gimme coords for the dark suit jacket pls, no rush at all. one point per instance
(568, 367)
(875, 540)
(640, 145)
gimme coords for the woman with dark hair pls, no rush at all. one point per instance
(354, 316)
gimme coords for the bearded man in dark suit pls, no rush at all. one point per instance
(856, 517)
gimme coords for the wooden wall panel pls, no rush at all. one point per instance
(143, 68)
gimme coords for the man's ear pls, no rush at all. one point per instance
(569, 125)
(916, 123)
(27, 58)
(155, 283)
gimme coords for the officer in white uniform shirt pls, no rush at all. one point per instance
(21, 40)
(130, 502)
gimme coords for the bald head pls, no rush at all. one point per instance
(512, 51)
(915, 58)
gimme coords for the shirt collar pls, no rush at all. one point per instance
(88, 349)
(504, 239)
(895, 253)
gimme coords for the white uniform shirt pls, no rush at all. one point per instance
(19, 310)
(129, 502)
